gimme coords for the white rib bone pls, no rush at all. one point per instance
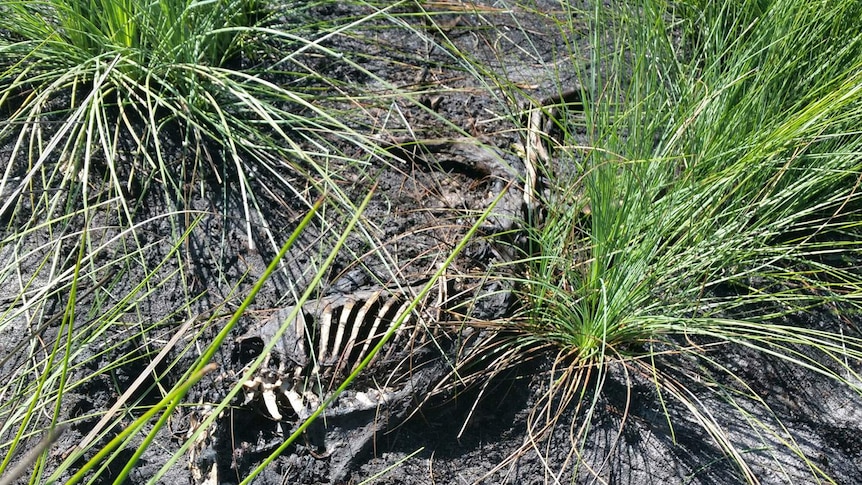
(354, 334)
(346, 310)
(372, 333)
(401, 309)
(323, 333)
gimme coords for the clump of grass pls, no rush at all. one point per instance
(714, 198)
(117, 116)
(106, 100)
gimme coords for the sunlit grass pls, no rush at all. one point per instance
(111, 100)
(117, 118)
(711, 197)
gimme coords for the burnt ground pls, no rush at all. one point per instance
(425, 200)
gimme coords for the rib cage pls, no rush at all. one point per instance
(331, 336)
(326, 340)
(346, 331)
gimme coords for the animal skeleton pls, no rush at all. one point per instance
(329, 338)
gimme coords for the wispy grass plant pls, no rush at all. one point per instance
(711, 198)
(119, 120)
(107, 100)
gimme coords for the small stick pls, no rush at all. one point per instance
(128, 394)
(28, 459)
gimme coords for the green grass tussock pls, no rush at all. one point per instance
(716, 196)
(105, 101)
(118, 117)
